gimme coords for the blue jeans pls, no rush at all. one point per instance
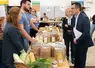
(2, 65)
(11, 66)
(92, 29)
(1, 43)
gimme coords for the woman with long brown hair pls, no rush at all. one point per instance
(12, 39)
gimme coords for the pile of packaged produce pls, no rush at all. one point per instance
(46, 51)
(25, 58)
(56, 51)
(29, 60)
(49, 34)
(43, 55)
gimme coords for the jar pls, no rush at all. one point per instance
(54, 64)
(59, 55)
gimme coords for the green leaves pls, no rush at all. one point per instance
(41, 63)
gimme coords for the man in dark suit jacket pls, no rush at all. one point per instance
(82, 24)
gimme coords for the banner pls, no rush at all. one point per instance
(4, 2)
(36, 5)
(14, 2)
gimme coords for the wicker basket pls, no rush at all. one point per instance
(21, 65)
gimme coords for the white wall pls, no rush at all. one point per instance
(14, 2)
(91, 10)
(55, 2)
(54, 6)
(62, 3)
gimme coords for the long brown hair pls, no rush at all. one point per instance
(12, 16)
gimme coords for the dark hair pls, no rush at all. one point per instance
(82, 8)
(24, 1)
(93, 18)
(44, 13)
(77, 5)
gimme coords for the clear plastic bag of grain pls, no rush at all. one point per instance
(45, 51)
(36, 49)
(60, 53)
(52, 45)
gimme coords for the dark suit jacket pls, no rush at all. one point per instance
(66, 34)
(12, 43)
(83, 25)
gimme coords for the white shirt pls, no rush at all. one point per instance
(76, 20)
(69, 20)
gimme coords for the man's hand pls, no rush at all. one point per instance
(39, 31)
(75, 41)
(33, 40)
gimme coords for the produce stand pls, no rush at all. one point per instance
(48, 49)
(21, 65)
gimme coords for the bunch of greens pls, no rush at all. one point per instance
(41, 63)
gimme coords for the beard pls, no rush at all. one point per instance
(26, 9)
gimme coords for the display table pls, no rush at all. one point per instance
(66, 64)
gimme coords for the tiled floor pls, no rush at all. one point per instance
(91, 54)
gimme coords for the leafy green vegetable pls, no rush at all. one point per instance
(41, 63)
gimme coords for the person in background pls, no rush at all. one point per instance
(93, 25)
(82, 25)
(12, 38)
(68, 33)
(35, 21)
(25, 23)
(44, 18)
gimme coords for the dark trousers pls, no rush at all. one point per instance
(8, 66)
(80, 57)
(43, 24)
(11, 66)
(1, 43)
(33, 33)
(69, 42)
(1, 64)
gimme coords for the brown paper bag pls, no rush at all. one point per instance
(36, 51)
(45, 52)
